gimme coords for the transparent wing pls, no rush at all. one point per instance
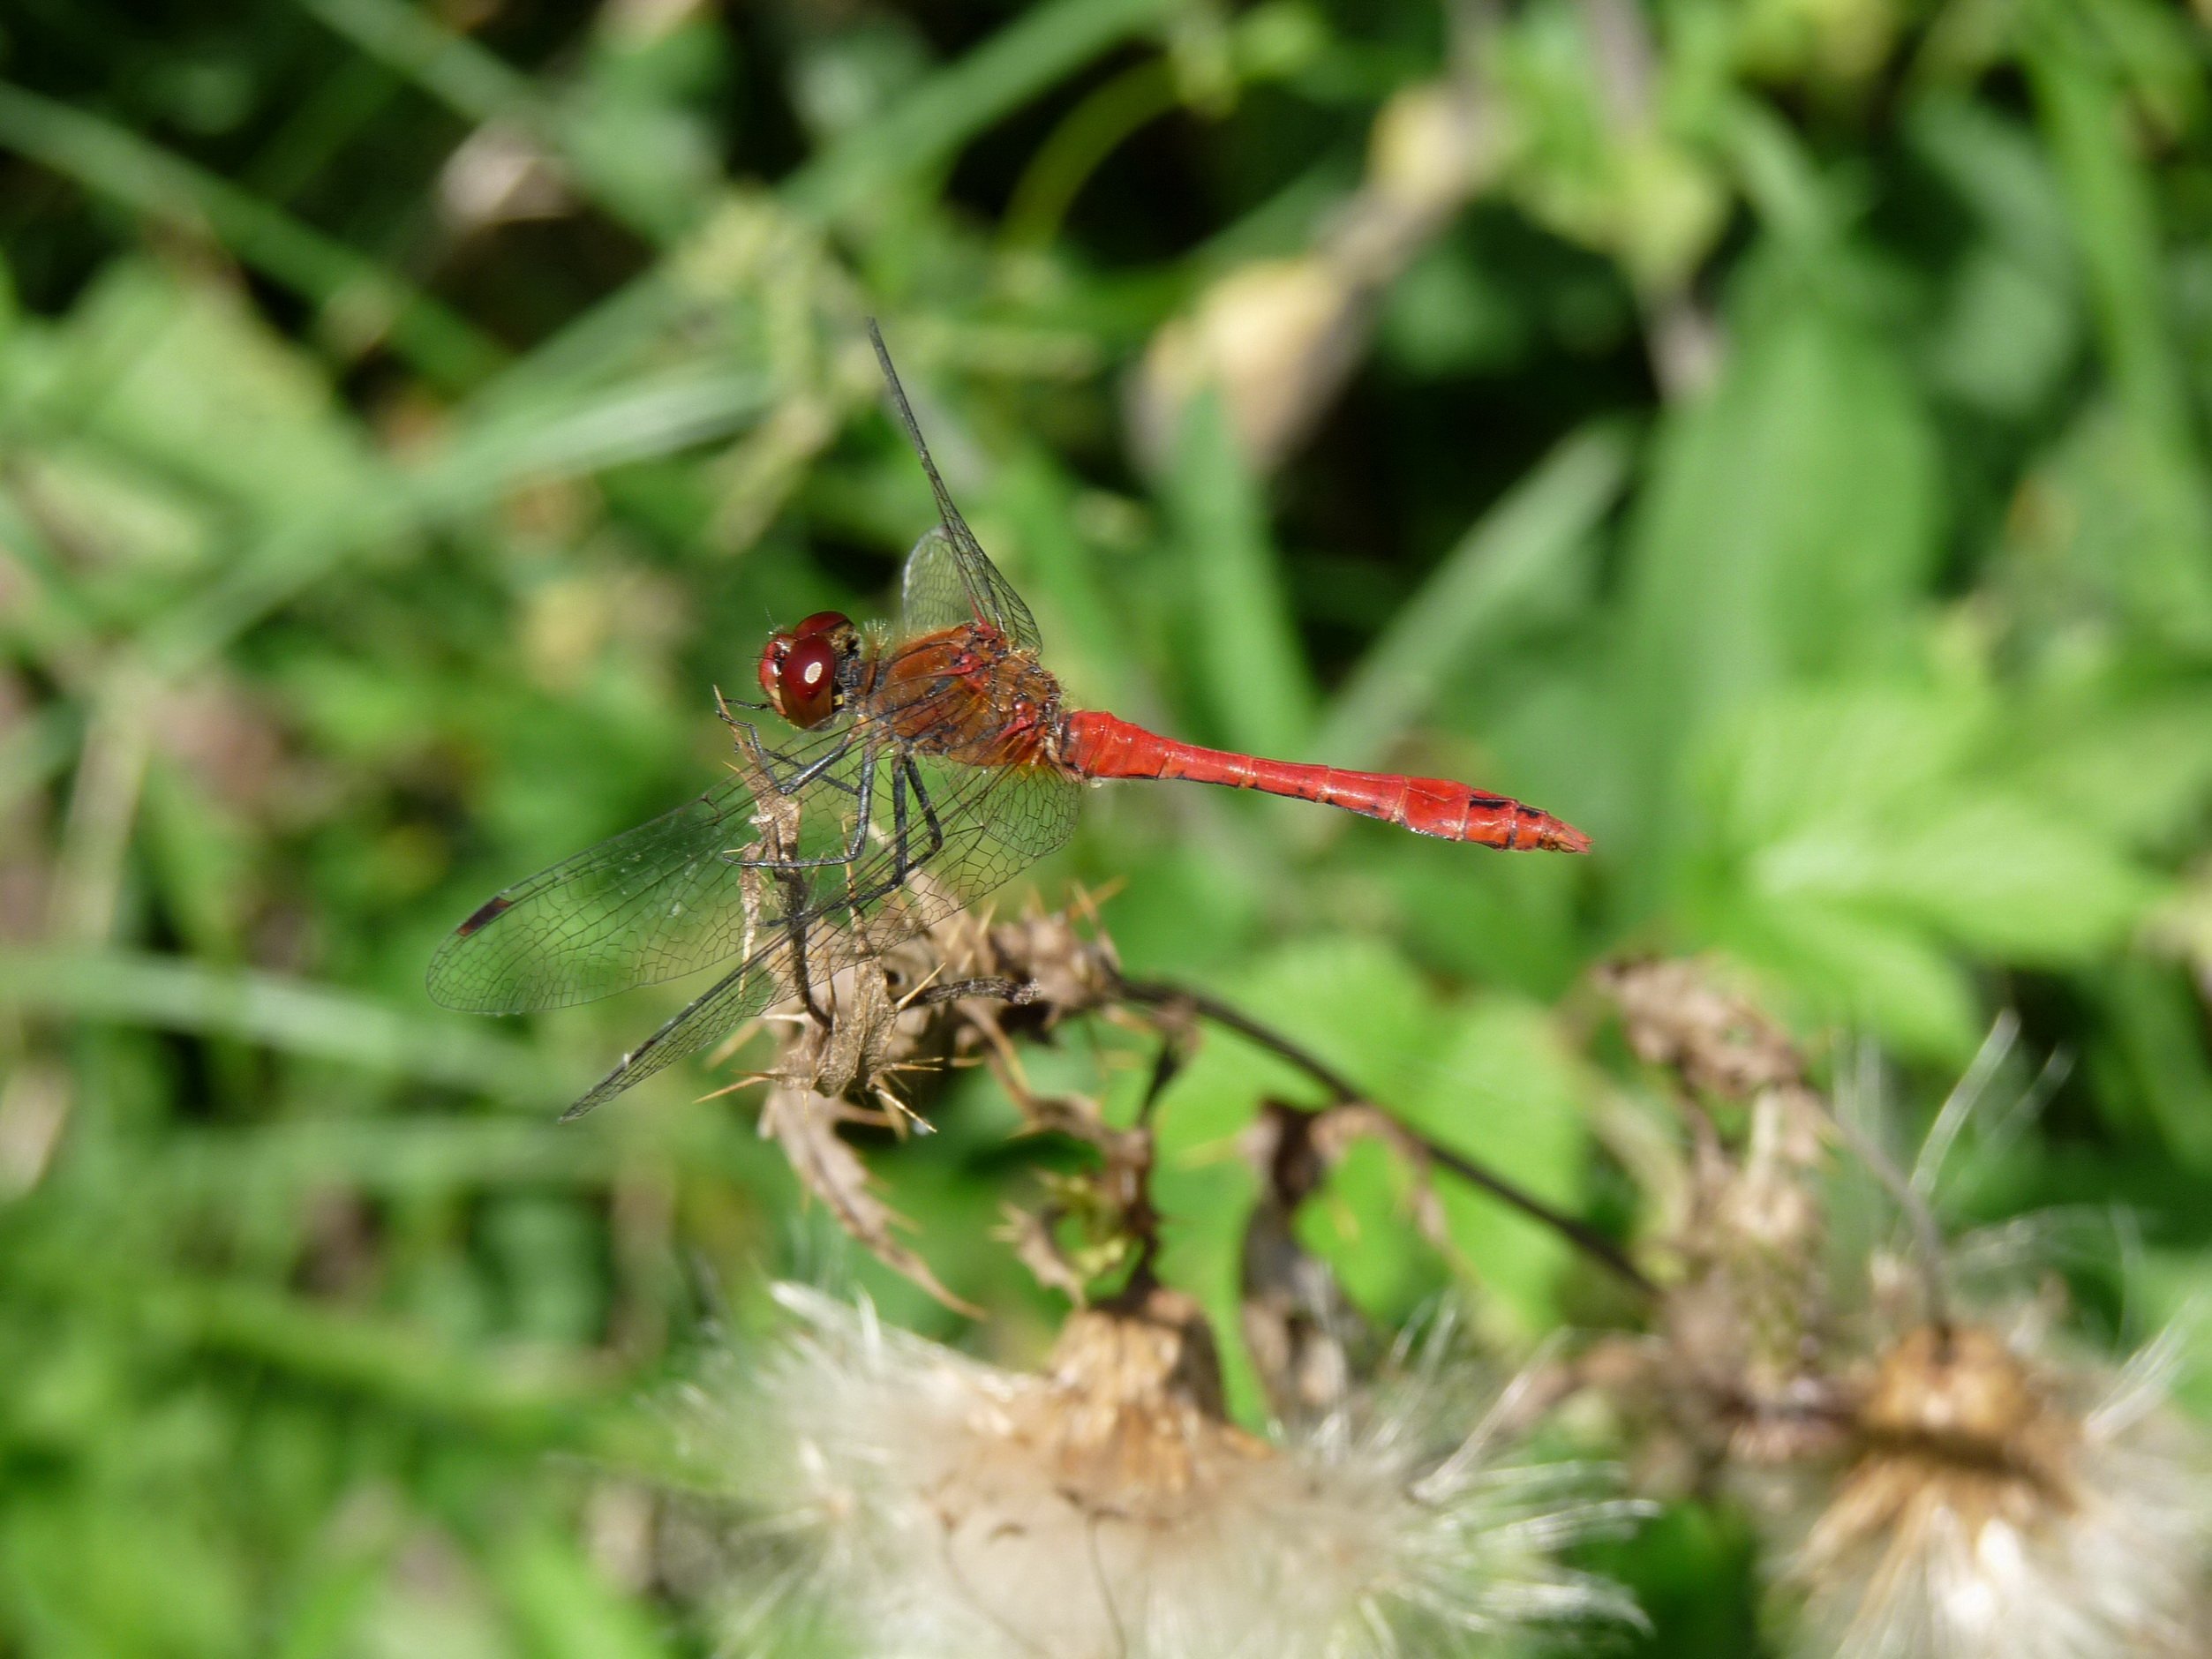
(649, 904)
(950, 580)
(940, 835)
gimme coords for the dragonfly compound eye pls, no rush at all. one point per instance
(799, 677)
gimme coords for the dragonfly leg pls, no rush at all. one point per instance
(723, 705)
(798, 917)
(747, 736)
(864, 797)
(909, 773)
(904, 861)
(799, 910)
(899, 863)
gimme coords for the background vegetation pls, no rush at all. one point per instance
(1770, 435)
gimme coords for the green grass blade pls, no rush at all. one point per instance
(931, 124)
(1473, 595)
(174, 994)
(2116, 233)
(2114, 219)
(463, 76)
(479, 86)
(632, 423)
(113, 163)
(1251, 662)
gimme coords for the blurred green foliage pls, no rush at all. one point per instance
(1787, 464)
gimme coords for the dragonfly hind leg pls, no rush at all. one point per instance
(904, 862)
(798, 918)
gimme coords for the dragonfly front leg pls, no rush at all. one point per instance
(864, 802)
(747, 738)
(801, 910)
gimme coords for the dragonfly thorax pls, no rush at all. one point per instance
(806, 670)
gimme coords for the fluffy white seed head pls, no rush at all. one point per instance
(916, 1501)
(2006, 1505)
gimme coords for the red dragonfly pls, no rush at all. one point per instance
(924, 766)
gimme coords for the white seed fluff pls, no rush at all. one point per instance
(918, 1503)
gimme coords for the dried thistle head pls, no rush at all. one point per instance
(1735, 1372)
(2001, 1501)
(944, 994)
(1682, 1015)
(920, 1501)
(1936, 1487)
(917, 1007)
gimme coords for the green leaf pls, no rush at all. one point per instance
(2142, 760)
(1502, 1089)
(1844, 969)
(1873, 798)
(1786, 527)
(189, 380)
(561, 1606)
(2013, 879)
(1251, 664)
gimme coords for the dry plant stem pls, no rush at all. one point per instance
(1580, 1234)
(1298, 1323)
(1155, 994)
(1684, 339)
(1165, 1066)
(1129, 1159)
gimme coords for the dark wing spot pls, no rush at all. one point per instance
(483, 913)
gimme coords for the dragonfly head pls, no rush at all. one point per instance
(801, 666)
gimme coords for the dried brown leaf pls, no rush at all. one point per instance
(804, 1125)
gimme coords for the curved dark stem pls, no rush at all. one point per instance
(1576, 1232)
(1143, 1222)
(1165, 1066)
(1156, 994)
(1580, 1234)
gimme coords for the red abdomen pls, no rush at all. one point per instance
(1102, 746)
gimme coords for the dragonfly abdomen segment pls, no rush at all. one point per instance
(1098, 744)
